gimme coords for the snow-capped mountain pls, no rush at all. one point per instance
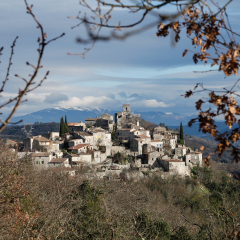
(76, 114)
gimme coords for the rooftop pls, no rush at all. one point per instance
(41, 154)
(173, 160)
(91, 119)
(143, 136)
(83, 133)
(124, 129)
(41, 139)
(74, 124)
(81, 145)
(58, 160)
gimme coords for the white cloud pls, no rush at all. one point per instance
(152, 103)
(90, 101)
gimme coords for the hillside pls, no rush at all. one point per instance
(16, 132)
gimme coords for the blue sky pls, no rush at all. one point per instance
(146, 71)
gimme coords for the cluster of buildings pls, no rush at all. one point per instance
(94, 143)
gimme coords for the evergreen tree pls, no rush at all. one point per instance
(62, 127)
(181, 132)
(66, 125)
(162, 124)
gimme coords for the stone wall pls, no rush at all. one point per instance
(116, 149)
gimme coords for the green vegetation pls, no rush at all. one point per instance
(120, 158)
(181, 140)
(49, 204)
(63, 126)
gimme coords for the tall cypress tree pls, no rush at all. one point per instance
(62, 127)
(181, 132)
(66, 125)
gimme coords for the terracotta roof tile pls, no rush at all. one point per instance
(81, 145)
(73, 124)
(143, 136)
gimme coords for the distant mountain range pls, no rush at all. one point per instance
(80, 114)
(51, 115)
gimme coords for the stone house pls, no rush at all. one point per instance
(71, 157)
(41, 159)
(124, 133)
(105, 121)
(107, 116)
(79, 148)
(87, 137)
(174, 166)
(151, 158)
(105, 124)
(137, 143)
(158, 144)
(52, 136)
(74, 142)
(193, 159)
(15, 146)
(100, 137)
(59, 162)
(82, 159)
(39, 143)
(76, 127)
(90, 121)
(180, 151)
(170, 142)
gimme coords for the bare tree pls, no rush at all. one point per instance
(31, 83)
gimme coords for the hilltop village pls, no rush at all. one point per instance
(113, 148)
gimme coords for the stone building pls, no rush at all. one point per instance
(41, 159)
(174, 166)
(59, 162)
(126, 117)
(39, 143)
(105, 121)
(76, 127)
(193, 159)
(136, 144)
(79, 148)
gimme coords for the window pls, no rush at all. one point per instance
(42, 162)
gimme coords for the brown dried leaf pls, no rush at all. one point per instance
(202, 148)
(185, 52)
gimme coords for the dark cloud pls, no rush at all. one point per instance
(55, 97)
